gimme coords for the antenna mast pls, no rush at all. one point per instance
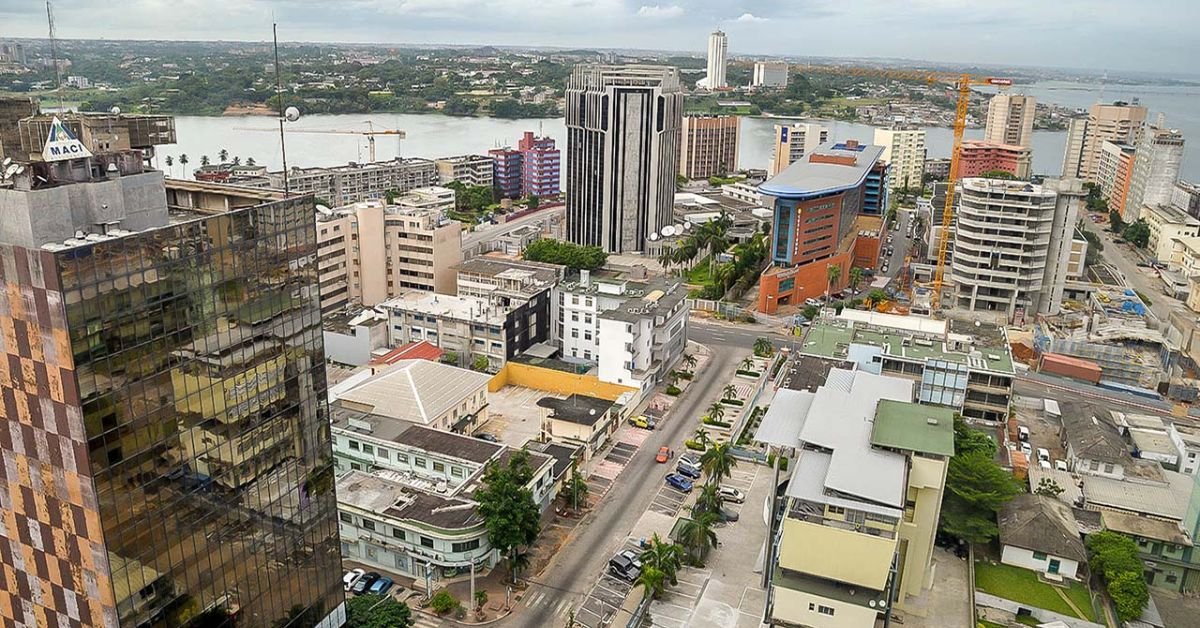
(279, 103)
(54, 56)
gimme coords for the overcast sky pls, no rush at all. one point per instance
(1142, 35)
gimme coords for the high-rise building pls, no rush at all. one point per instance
(718, 51)
(506, 172)
(1113, 174)
(790, 142)
(770, 74)
(1010, 120)
(466, 169)
(170, 462)
(540, 166)
(1155, 169)
(978, 158)
(1119, 122)
(708, 146)
(623, 126)
(904, 150)
(1012, 245)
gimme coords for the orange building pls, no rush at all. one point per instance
(977, 158)
(818, 204)
(1114, 172)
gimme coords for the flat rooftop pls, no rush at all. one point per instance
(580, 409)
(831, 167)
(473, 309)
(1172, 214)
(914, 427)
(833, 339)
(380, 493)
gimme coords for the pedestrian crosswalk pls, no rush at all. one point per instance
(558, 602)
(421, 620)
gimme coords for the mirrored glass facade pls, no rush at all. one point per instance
(172, 457)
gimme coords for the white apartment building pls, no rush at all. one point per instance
(632, 329)
(1155, 170)
(342, 185)
(467, 326)
(1167, 224)
(466, 169)
(793, 141)
(770, 74)
(904, 149)
(370, 251)
(718, 51)
(1010, 119)
(1012, 245)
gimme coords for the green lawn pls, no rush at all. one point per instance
(699, 275)
(1022, 585)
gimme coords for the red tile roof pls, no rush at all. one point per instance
(421, 350)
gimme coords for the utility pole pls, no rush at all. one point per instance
(282, 111)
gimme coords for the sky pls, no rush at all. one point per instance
(1114, 35)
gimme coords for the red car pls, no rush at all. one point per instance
(664, 454)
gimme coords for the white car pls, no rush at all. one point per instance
(351, 577)
(730, 494)
(812, 302)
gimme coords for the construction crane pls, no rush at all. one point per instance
(962, 84)
(370, 134)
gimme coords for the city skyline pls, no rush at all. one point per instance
(915, 31)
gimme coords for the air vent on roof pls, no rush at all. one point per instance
(993, 356)
(931, 421)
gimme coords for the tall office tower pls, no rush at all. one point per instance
(540, 166)
(623, 127)
(718, 50)
(709, 146)
(1010, 120)
(1155, 169)
(770, 74)
(163, 399)
(904, 150)
(793, 141)
(1012, 245)
(1119, 122)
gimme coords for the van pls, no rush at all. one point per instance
(1060, 465)
(1043, 454)
(1022, 433)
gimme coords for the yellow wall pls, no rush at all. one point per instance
(926, 479)
(254, 387)
(791, 606)
(550, 380)
(836, 554)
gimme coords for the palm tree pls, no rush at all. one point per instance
(673, 377)
(688, 359)
(204, 160)
(237, 161)
(716, 411)
(223, 155)
(747, 363)
(718, 462)
(666, 257)
(665, 557)
(250, 161)
(709, 499)
(729, 392)
(170, 161)
(653, 582)
(697, 534)
(856, 275)
(833, 273)
(702, 437)
(763, 347)
(724, 275)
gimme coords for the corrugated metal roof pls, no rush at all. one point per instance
(783, 421)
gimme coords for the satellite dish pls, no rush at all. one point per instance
(116, 111)
(687, 226)
(668, 231)
(7, 160)
(653, 237)
(678, 229)
(291, 114)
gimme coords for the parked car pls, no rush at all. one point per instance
(642, 421)
(727, 515)
(1022, 433)
(351, 577)
(1045, 464)
(1043, 454)
(625, 565)
(664, 454)
(690, 470)
(676, 481)
(381, 586)
(1061, 465)
(730, 494)
(365, 582)
(1027, 449)
(691, 458)
(491, 438)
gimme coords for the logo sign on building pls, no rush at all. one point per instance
(783, 133)
(62, 144)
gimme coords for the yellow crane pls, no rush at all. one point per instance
(370, 134)
(962, 84)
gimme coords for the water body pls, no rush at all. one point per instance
(437, 135)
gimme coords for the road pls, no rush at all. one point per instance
(1145, 280)
(900, 245)
(473, 239)
(586, 555)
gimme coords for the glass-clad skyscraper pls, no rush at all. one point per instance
(166, 450)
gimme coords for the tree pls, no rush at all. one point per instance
(481, 598)
(1048, 487)
(709, 499)
(575, 492)
(688, 360)
(509, 512)
(223, 155)
(969, 440)
(250, 161)
(1115, 558)
(877, 296)
(663, 556)
(237, 161)
(170, 161)
(653, 582)
(729, 392)
(697, 535)
(673, 377)
(763, 347)
(1130, 595)
(444, 602)
(533, 202)
(810, 312)
(832, 273)
(203, 160)
(377, 611)
(747, 363)
(183, 162)
(481, 363)
(976, 488)
(856, 277)
(1116, 224)
(718, 462)
(702, 437)
(716, 411)
(1137, 233)
(571, 255)
(666, 257)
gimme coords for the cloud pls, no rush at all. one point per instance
(659, 12)
(750, 18)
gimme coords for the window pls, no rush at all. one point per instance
(574, 333)
(825, 610)
(401, 457)
(426, 542)
(382, 453)
(418, 461)
(354, 445)
(1039, 556)
(587, 335)
(345, 516)
(439, 467)
(456, 472)
(1172, 578)
(587, 354)
(368, 524)
(368, 449)
(1108, 468)
(575, 316)
(587, 318)
(465, 547)
(398, 533)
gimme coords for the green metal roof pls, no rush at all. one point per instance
(831, 341)
(914, 427)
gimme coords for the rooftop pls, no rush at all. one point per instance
(808, 372)
(449, 444)
(473, 309)
(419, 350)
(345, 321)
(1043, 524)
(352, 166)
(911, 338)
(1091, 438)
(384, 494)
(515, 274)
(577, 408)
(1168, 500)
(832, 589)
(1170, 214)
(914, 427)
(563, 454)
(832, 167)
(418, 391)
(1145, 527)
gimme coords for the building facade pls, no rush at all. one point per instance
(1155, 169)
(1186, 196)
(904, 150)
(1114, 173)
(1167, 224)
(342, 185)
(791, 142)
(978, 158)
(1012, 245)
(170, 402)
(541, 166)
(1010, 120)
(708, 146)
(1119, 122)
(623, 133)
(466, 169)
(506, 172)
(371, 251)
(718, 52)
(770, 74)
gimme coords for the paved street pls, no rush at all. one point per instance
(472, 239)
(1144, 280)
(899, 244)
